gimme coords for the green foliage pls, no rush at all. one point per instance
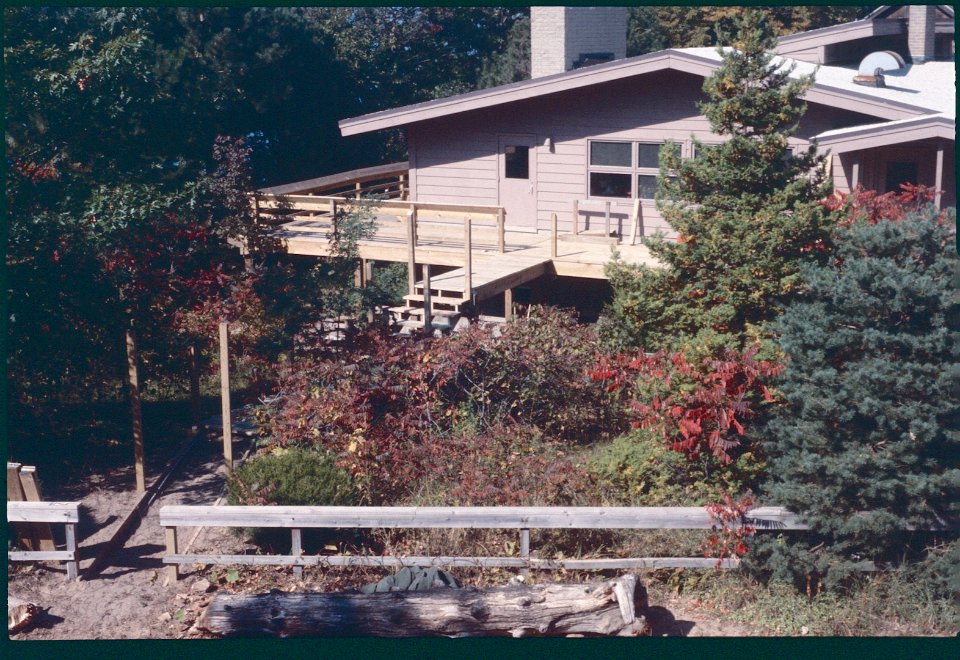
(293, 477)
(638, 469)
(512, 63)
(867, 442)
(747, 213)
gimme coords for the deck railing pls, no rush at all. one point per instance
(297, 518)
(66, 513)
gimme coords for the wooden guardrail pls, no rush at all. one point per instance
(297, 518)
(66, 513)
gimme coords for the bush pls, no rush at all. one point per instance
(291, 477)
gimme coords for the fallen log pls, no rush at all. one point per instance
(601, 608)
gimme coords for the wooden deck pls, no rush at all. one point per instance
(488, 257)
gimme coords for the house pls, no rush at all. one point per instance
(573, 152)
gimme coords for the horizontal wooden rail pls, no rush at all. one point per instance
(524, 519)
(399, 170)
(66, 513)
(491, 517)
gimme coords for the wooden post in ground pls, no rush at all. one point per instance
(73, 565)
(508, 304)
(427, 302)
(31, 492)
(525, 549)
(194, 353)
(367, 279)
(468, 258)
(25, 531)
(553, 235)
(225, 395)
(296, 549)
(170, 534)
(133, 382)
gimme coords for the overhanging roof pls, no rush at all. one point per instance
(887, 133)
(700, 61)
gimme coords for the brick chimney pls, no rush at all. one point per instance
(565, 38)
(921, 37)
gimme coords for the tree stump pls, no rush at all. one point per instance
(612, 607)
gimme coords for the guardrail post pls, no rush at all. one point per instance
(74, 565)
(525, 549)
(173, 570)
(296, 549)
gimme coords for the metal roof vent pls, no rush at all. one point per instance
(871, 69)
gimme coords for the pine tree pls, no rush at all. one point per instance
(747, 211)
(872, 416)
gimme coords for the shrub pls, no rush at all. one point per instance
(866, 445)
(291, 477)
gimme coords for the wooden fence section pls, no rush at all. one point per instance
(297, 518)
(66, 513)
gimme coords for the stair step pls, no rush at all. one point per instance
(437, 300)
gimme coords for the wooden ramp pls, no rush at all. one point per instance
(496, 275)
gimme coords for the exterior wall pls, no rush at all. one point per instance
(873, 163)
(558, 35)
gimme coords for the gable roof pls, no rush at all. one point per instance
(868, 136)
(933, 91)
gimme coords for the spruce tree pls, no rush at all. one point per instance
(746, 211)
(867, 442)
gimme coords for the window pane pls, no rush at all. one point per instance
(611, 154)
(516, 162)
(646, 186)
(649, 155)
(606, 184)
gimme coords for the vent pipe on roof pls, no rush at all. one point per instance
(564, 38)
(921, 34)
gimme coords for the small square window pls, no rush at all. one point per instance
(516, 162)
(649, 155)
(611, 154)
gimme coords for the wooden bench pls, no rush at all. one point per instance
(297, 518)
(66, 513)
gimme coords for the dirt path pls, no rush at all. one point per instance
(128, 599)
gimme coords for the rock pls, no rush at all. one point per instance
(20, 614)
(166, 617)
(201, 586)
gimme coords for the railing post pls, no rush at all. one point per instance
(501, 230)
(525, 549)
(576, 216)
(468, 257)
(73, 565)
(296, 549)
(553, 235)
(173, 571)
(411, 249)
(403, 187)
(606, 219)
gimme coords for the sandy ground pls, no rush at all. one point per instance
(128, 599)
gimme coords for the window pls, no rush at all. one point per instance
(900, 172)
(624, 169)
(516, 162)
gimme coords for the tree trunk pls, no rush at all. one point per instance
(604, 608)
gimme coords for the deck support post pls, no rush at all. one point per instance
(296, 549)
(225, 395)
(427, 303)
(468, 258)
(508, 304)
(411, 249)
(576, 217)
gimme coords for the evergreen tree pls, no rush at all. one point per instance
(867, 443)
(747, 211)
